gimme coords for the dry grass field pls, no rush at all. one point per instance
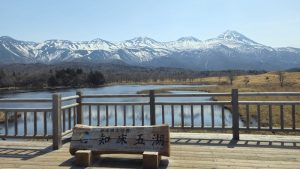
(2, 117)
(268, 82)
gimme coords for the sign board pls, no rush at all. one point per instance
(121, 139)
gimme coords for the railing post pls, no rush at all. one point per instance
(235, 114)
(79, 107)
(56, 110)
(152, 107)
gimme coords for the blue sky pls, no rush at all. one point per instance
(270, 22)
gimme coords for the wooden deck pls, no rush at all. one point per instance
(188, 150)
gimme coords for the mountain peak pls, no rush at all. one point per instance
(142, 39)
(57, 41)
(189, 38)
(7, 38)
(141, 42)
(232, 35)
(98, 40)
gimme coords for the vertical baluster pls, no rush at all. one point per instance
(223, 116)
(106, 108)
(212, 116)
(235, 114)
(143, 117)
(56, 122)
(133, 115)
(258, 117)
(270, 117)
(90, 114)
(74, 116)
(152, 107)
(202, 116)
(281, 117)
(35, 123)
(247, 116)
(163, 113)
(45, 123)
(124, 115)
(6, 123)
(192, 116)
(182, 117)
(293, 117)
(69, 118)
(172, 112)
(64, 120)
(16, 123)
(98, 116)
(79, 118)
(116, 116)
(25, 123)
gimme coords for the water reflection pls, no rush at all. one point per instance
(118, 89)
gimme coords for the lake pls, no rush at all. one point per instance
(116, 89)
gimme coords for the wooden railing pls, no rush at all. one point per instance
(64, 113)
(12, 114)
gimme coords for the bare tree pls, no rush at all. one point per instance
(219, 77)
(267, 79)
(231, 77)
(281, 78)
(246, 80)
(2, 77)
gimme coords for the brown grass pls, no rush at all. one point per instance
(257, 83)
(2, 117)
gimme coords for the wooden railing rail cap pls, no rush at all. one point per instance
(26, 100)
(70, 98)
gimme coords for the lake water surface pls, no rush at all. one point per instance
(116, 89)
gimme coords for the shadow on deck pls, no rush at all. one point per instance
(188, 150)
(237, 143)
(23, 152)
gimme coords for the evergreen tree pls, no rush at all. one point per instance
(95, 78)
(52, 81)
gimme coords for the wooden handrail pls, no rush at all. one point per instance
(69, 106)
(115, 103)
(147, 95)
(114, 95)
(69, 98)
(192, 95)
(269, 94)
(270, 102)
(193, 103)
(26, 109)
(26, 100)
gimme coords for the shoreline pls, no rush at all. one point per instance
(8, 90)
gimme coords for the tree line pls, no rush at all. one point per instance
(83, 74)
(67, 77)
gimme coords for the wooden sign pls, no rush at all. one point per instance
(123, 139)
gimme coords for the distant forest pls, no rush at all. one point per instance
(89, 74)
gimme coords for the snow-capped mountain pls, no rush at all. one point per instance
(229, 50)
(140, 42)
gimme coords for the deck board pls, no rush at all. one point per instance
(188, 150)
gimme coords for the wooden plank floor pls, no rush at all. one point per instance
(188, 150)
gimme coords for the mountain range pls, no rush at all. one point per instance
(229, 50)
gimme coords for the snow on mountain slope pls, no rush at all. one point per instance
(96, 44)
(140, 42)
(186, 52)
(239, 43)
(185, 43)
(237, 37)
